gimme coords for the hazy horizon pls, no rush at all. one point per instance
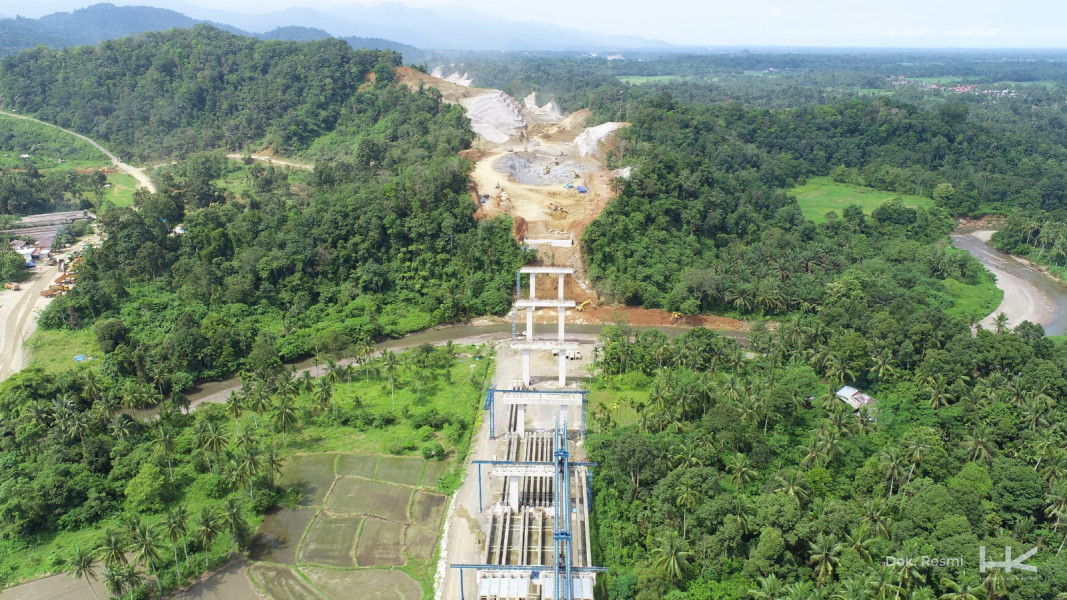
(832, 23)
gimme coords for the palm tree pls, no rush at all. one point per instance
(996, 583)
(392, 363)
(214, 441)
(908, 573)
(285, 417)
(165, 443)
(687, 499)
(76, 424)
(257, 401)
(324, 393)
(881, 363)
(144, 541)
(829, 445)
(979, 444)
(363, 352)
(853, 589)
(234, 407)
(1056, 508)
(671, 555)
(873, 516)
(792, 483)
(248, 468)
(82, 565)
(207, 530)
(823, 557)
(113, 581)
(741, 474)
(838, 369)
(131, 578)
(113, 548)
(966, 589)
(742, 510)
(1000, 323)
(176, 526)
(917, 447)
(891, 466)
(122, 427)
(272, 464)
(233, 521)
(859, 540)
(770, 588)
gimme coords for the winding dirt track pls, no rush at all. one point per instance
(19, 310)
(272, 160)
(138, 174)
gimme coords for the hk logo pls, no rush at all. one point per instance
(1008, 564)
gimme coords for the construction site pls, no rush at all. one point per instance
(519, 527)
(547, 170)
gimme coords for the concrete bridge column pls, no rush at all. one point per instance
(526, 367)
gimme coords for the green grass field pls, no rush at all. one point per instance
(820, 195)
(977, 300)
(54, 350)
(121, 191)
(45, 145)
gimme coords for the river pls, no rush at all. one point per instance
(1029, 294)
(217, 391)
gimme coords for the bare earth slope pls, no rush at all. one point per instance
(531, 161)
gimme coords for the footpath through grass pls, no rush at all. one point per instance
(821, 195)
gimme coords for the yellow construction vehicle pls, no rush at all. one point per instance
(676, 315)
(581, 307)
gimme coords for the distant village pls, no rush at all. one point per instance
(963, 88)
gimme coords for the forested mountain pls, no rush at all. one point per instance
(380, 241)
(714, 173)
(179, 91)
(100, 22)
(90, 25)
(294, 33)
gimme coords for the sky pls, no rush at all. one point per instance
(818, 23)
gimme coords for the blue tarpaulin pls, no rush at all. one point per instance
(582, 189)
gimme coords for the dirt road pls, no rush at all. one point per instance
(138, 174)
(20, 309)
(272, 160)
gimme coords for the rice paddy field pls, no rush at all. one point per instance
(363, 522)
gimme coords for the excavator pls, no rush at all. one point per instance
(581, 307)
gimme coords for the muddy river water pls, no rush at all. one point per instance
(1029, 294)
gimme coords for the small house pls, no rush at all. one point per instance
(855, 398)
